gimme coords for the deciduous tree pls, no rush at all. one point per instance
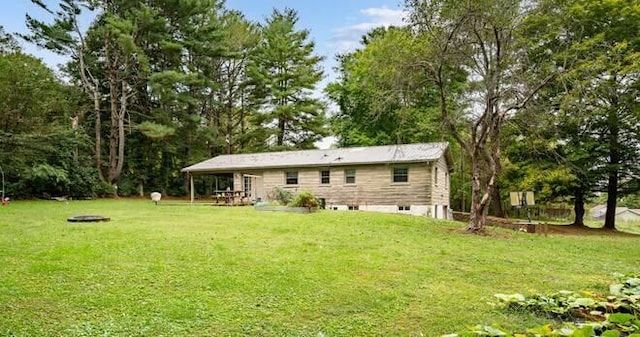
(476, 41)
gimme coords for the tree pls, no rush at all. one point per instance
(594, 103)
(65, 37)
(605, 85)
(240, 39)
(40, 150)
(185, 54)
(8, 43)
(382, 98)
(476, 41)
(282, 72)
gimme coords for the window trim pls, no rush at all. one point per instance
(393, 175)
(346, 177)
(247, 182)
(328, 177)
(286, 178)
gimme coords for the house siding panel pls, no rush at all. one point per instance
(441, 188)
(373, 185)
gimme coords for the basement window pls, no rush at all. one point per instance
(404, 208)
(353, 207)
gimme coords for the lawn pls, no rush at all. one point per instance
(203, 271)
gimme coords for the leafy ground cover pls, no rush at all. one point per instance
(201, 271)
(583, 314)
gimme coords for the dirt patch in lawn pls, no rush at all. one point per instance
(551, 229)
(583, 230)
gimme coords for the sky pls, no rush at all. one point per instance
(335, 26)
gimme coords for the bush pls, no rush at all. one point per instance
(280, 195)
(104, 189)
(82, 181)
(305, 199)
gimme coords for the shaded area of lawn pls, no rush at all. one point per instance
(202, 271)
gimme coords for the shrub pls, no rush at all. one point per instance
(104, 189)
(305, 199)
(280, 195)
(82, 181)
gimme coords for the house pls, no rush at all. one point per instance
(409, 178)
(623, 214)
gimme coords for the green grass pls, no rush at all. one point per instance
(203, 271)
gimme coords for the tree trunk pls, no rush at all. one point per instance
(578, 207)
(612, 169)
(118, 106)
(229, 131)
(612, 193)
(480, 197)
(113, 130)
(164, 169)
(281, 130)
(121, 135)
(477, 218)
(496, 203)
(121, 140)
(98, 134)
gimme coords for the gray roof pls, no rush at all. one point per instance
(406, 153)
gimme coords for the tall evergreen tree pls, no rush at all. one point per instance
(233, 121)
(283, 72)
(595, 109)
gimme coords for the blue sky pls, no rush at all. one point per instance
(335, 25)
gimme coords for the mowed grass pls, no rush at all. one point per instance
(216, 271)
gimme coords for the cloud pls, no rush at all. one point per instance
(385, 15)
(348, 38)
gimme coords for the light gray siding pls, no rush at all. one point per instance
(441, 183)
(374, 184)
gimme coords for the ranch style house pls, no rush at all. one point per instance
(408, 178)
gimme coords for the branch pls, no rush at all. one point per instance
(531, 94)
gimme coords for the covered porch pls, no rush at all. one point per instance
(225, 188)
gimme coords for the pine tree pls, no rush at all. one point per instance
(283, 72)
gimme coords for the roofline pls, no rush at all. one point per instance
(207, 170)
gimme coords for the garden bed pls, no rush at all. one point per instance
(275, 208)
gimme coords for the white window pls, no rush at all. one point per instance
(350, 176)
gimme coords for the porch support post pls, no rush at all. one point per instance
(191, 187)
